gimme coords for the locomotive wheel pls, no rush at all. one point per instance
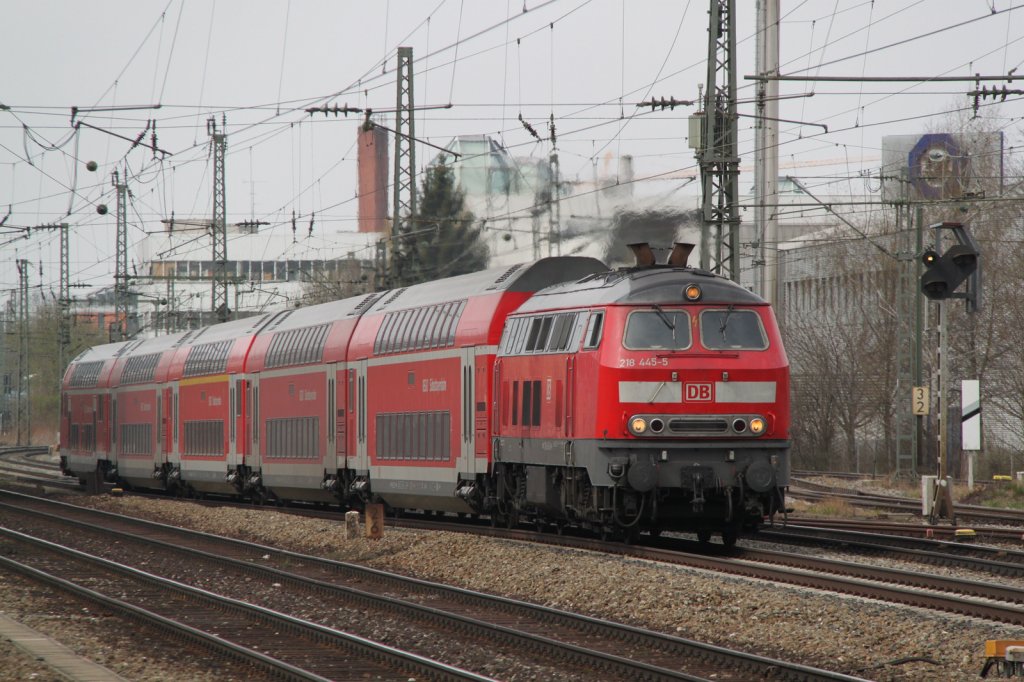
(704, 536)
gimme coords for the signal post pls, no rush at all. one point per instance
(942, 277)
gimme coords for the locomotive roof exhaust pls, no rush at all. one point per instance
(645, 255)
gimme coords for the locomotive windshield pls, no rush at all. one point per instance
(657, 329)
(732, 330)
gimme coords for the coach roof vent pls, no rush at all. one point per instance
(645, 255)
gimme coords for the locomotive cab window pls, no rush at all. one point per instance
(732, 329)
(657, 329)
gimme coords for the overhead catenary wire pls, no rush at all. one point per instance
(565, 134)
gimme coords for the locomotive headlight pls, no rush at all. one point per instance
(692, 292)
(757, 426)
(638, 425)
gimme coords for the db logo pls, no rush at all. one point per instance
(698, 393)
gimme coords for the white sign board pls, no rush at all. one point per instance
(970, 406)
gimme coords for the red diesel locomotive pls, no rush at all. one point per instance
(558, 392)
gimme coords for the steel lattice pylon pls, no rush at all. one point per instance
(63, 300)
(404, 199)
(64, 303)
(24, 387)
(121, 266)
(218, 228)
(718, 157)
(909, 328)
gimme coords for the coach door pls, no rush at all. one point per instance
(172, 437)
(252, 401)
(467, 421)
(362, 460)
(161, 429)
(337, 417)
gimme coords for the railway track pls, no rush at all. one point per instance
(21, 465)
(594, 647)
(913, 530)
(991, 561)
(234, 628)
(981, 599)
(815, 492)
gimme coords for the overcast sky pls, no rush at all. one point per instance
(259, 64)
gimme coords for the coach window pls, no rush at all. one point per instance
(412, 337)
(731, 329)
(401, 319)
(405, 330)
(391, 339)
(401, 327)
(445, 332)
(402, 331)
(447, 312)
(386, 332)
(408, 330)
(428, 333)
(419, 324)
(432, 331)
(453, 323)
(594, 328)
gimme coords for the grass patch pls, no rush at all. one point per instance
(1005, 494)
(833, 507)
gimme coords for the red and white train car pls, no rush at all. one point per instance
(300, 389)
(85, 433)
(423, 358)
(205, 393)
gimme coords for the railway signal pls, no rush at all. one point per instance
(945, 273)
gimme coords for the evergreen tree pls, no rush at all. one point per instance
(441, 239)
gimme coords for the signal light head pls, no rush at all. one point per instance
(929, 258)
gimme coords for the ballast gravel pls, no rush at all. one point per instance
(852, 635)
